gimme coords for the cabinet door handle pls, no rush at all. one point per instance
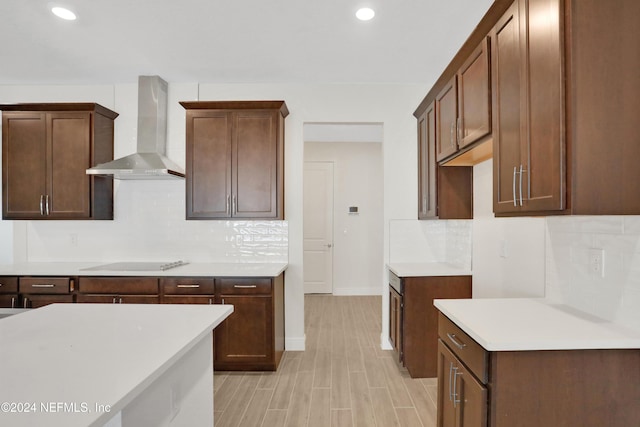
(13, 302)
(228, 205)
(189, 286)
(222, 300)
(455, 383)
(450, 372)
(25, 303)
(245, 286)
(210, 301)
(459, 129)
(451, 142)
(515, 199)
(455, 341)
(235, 205)
(120, 300)
(521, 170)
(41, 204)
(46, 204)
(43, 285)
(114, 300)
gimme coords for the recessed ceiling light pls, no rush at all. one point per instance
(365, 14)
(63, 13)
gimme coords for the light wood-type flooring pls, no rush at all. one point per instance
(343, 378)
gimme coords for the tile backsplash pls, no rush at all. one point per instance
(614, 296)
(416, 241)
(149, 217)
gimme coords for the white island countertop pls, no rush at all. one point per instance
(423, 269)
(92, 356)
(514, 324)
(196, 269)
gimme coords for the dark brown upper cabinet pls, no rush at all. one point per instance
(528, 104)
(427, 166)
(474, 97)
(443, 192)
(463, 105)
(235, 159)
(46, 149)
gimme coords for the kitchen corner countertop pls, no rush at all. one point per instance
(93, 354)
(421, 269)
(514, 324)
(196, 269)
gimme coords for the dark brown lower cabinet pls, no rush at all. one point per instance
(38, 291)
(252, 337)
(413, 319)
(587, 388)
(9, 292)
(395, 323)
(118, 290)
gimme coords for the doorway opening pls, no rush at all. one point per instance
(343, 212)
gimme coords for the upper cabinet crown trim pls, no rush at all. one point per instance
(237, 105)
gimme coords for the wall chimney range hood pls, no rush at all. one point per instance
(150, 161)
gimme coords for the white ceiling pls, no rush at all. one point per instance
(215, 41)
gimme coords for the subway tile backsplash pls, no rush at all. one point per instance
(149, 224)
(414, 241)
(569, 278)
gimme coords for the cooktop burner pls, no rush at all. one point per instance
(137, 266)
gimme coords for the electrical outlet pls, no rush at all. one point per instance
(73, 239)
(596, 262)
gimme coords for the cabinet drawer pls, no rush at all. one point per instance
(192, 299)
(187, 286)
(118, 285)
(472, 354)
(8, 284)
(44, 285)
(244, 286)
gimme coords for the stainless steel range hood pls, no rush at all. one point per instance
(150, 161)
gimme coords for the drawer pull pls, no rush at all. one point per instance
(43, 285)
(245, 286)
(454, 340)
(13, 302)
(189, 286)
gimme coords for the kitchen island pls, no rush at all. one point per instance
(529, 362)
(109, 364)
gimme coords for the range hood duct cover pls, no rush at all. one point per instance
(150, 161)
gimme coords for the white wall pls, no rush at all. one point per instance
(508, 253)
(358, 238)
(138, 207)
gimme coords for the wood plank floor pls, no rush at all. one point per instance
(343, 378)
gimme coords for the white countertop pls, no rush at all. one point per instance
(507, 324)
(97, 354)
(420, 269)
(238, 269)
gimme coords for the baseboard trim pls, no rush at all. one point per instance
(384, 343)
(294, 343)
(357, 291)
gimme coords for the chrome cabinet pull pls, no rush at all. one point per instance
(450, 371)
(245, 286)
(13, 302)
(455, 383)
(515, 171)
(25, 303)
(521, 170)
(235, 205)
(228, 205)
(120, 300)
(189, 286)
(459, 133)
(114, 300)
(43, 285)
(451, 132)
(455, 341)
(1, 285)
(210, 301)
(222, 300)
(41, 204)
(47, 204)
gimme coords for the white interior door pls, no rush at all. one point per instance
(318, 227)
